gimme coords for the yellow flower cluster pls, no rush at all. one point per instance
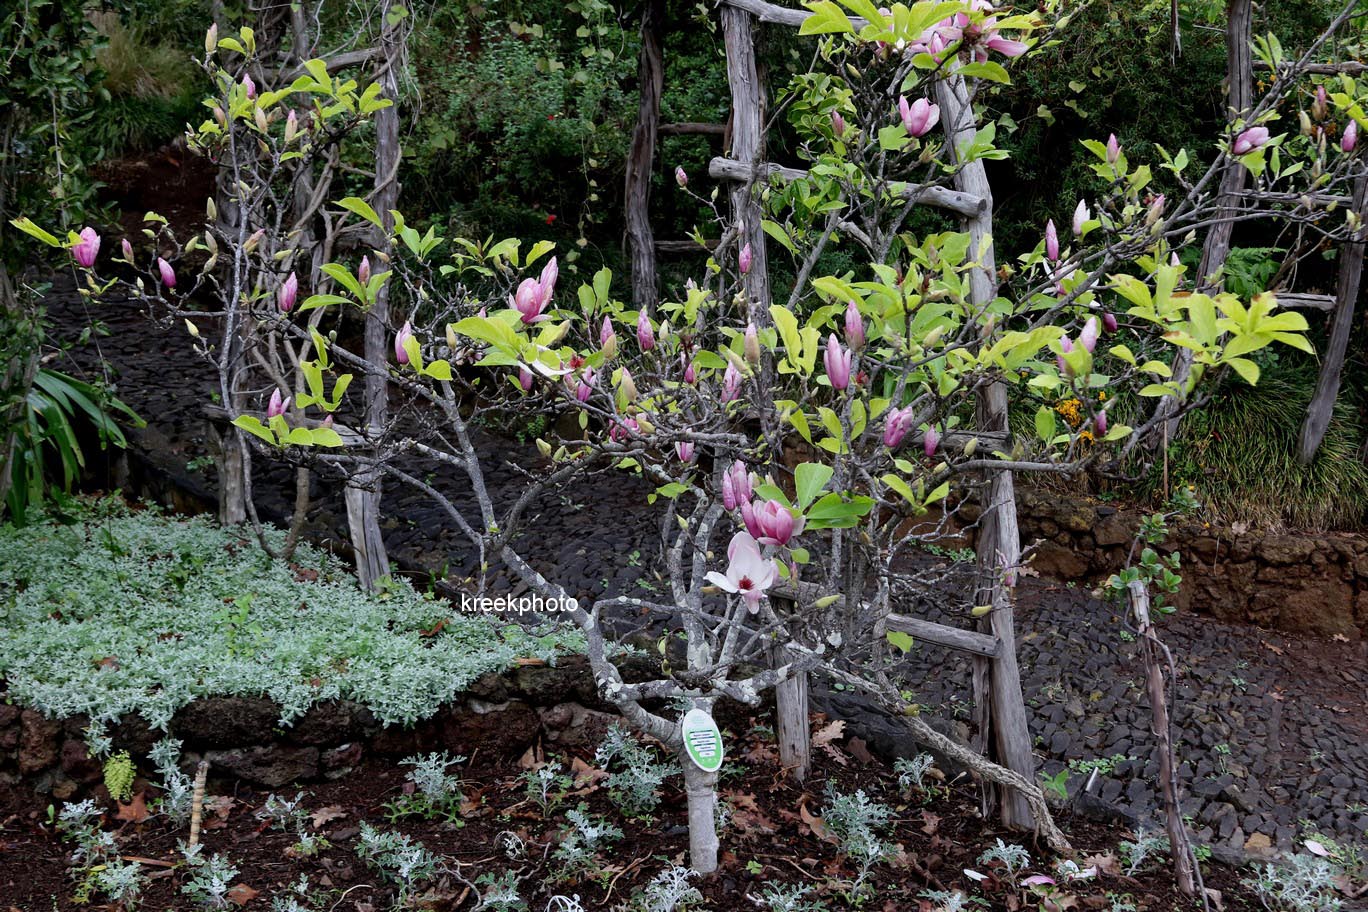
(1072, 411)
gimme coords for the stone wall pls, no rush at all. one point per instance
(1309, 583)
(243, 739)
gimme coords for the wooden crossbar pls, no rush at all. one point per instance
(965, 204)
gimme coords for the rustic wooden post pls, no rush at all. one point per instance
(1154, 652)
(641, 157)
(1216, 244)
(747, 136)
(363, 494)
(792, 728)
(1322, 406)
(999, 540)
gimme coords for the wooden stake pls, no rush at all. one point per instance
(197, 803)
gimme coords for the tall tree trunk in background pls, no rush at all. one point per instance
(641, 157)
(1216, 245)
(364, 494)
(1322, 406)
(747, 138)
(20, 335)
(999, 539)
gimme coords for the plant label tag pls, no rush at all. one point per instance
(702, 740)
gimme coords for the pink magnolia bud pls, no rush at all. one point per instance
(728, 492)
(645, 334)
(837, 361)
(606, 331)
(1350, 137)
(1318, 106)
(1109, 322)
(1100, 423)
(743, 261)
(527, 301)
(1113, 149)
(524, 378)
(328, 421)
(741, 480)
(1051, 241)
(685, 450)
(87, 248)
(854, 327)
(1081, 215)
(896, 426)
(1066, 347)
(254, 240)
(363, 272)
(931, 441)
(400, 340)
(291, 125)
(289, 290)
(918, 117)
(681, 176)
(248, 85)
(127, 249)
(690, 375)
(1249, 140)
(776, 523)
(278, 404)
(731, 383)
(1088, 337)
(749, 519)
(751, 344)
(168, 275)
(547, 284)
(838, 124)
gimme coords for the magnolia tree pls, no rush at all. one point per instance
(800, 451)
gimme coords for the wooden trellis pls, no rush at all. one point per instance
(993, 647)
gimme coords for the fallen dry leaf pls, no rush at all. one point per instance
(814, 824)
(930, 823)
(747, 816)
(134, 811)
(586, 775)
(325, 814)
(241, 894)
(859, 749)
(1105, 864)
(825, 737)
(531, 758)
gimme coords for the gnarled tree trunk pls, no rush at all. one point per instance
(641, 157)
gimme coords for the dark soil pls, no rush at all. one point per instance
(776, 837)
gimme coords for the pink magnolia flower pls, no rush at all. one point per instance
(681, 176)
(585, 385)
(918, 117)
(127, 249)
(1249, 140)
(1051, 241)
(690, 375)
(896, 426)
(776, 523)
(838, 124)
(87, 248)
(363, 272)
(854, 327)
(606, 331)
(623, 429)
(1100, 424)
(1066, 347)
(1109, 322)
(1038, 880)
(1007, 47)
(525, 378)
(528, 301)
(168, 275)
(1088, 337)
(1081, 215)
(547, 284)
(1318, 106)
(645, 334)
(731, 383)
(743, 260)
(749, 520)
(401, 340)
(737, 480)
(278, 404)
(248, 85)
(685, 450)
(749, 574)
(931, 441)
(289, 290)
(837, 361)
(1113, 149)
(1350, 137)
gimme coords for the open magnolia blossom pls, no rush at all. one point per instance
(749, 573)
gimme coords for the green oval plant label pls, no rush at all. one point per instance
(702, 740)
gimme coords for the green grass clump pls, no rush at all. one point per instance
(119, 611)
(1240, 452)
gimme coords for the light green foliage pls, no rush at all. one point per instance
(911, 771)
(1135, 853)
(858, 822)
(118, 776)
(581, 841)
(668, 891)
(122, 613)
(436, 793)
(547, 786)
(287, 814)
(210, 881)
(789, 898)
(499, 893)
(1304, 884)
(1013, 858)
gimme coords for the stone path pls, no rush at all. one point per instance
(1274, 729)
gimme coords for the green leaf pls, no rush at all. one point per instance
(438, 370)
(1045, 423)
(253, 425)
(827, 19)
(809, 480)
(361, 208)
(901, 641)
(27, 226)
